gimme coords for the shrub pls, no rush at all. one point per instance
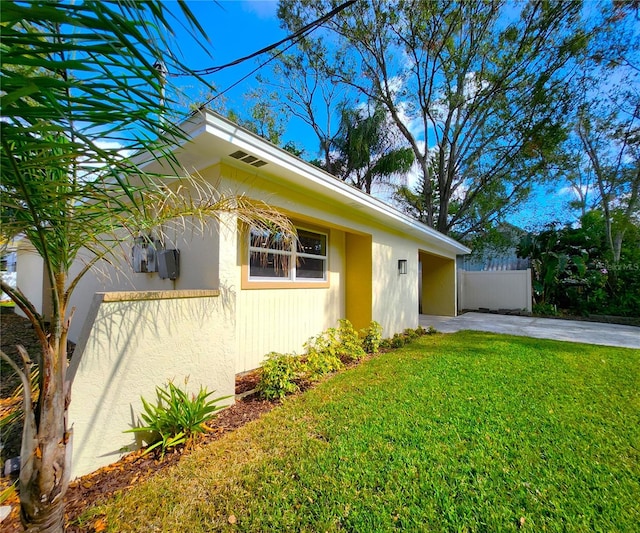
(545, 309)
(319, 363)
(176, 417)
(410, 334)
(322, 354)
(279, 376)
(371, 337)
(421, 332)
(350, 348)
(398, 341)
(342, 343)
(385, 344)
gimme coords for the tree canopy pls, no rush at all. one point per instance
(475, 88)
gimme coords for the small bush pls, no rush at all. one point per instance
(319, 363)
(371, 337)
(279, 376)
(410, 334)
(545, 309)
(385, 344)
(420, 331)
(350, 348)
(398, 341)
(176, 417)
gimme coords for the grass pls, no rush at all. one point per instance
(463, 432)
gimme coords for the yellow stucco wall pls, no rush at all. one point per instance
(438, 285)
(365, 283)
(283, 319)
(358, 280)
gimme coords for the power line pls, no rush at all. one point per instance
(295, 37)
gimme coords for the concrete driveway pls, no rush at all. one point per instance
(541, 328)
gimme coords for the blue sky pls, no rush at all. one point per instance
(237, 28)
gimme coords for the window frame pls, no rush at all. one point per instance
(291, 281)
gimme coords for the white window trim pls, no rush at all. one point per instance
(293, 254)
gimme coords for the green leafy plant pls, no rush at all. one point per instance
(410, 334)
(318, 363)
(371, 337)
(420, 331)
(385, 344)
(350, 348)
(322, 354)
(176, 418)
(545, 309)
(280, 375)
(398, 340)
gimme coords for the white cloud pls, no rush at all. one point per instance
(264, 9)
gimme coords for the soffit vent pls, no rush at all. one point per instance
(249, 159)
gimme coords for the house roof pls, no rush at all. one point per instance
(235, 144)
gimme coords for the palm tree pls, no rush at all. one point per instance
(82, 102)
(366, 150)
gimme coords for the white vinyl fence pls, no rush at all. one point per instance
(495, 290)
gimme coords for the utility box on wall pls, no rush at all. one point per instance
(169, 264)
(144, 254)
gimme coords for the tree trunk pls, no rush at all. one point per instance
(46, 457)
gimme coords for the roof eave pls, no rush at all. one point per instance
(211, 123)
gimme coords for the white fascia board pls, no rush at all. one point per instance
(316, 179)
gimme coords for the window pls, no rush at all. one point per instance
(273, 260)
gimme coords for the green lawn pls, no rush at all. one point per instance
(462, 432)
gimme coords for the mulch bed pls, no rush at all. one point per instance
(96, 487)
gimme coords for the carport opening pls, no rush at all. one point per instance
(437, 284)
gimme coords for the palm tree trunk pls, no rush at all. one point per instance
(45, 459)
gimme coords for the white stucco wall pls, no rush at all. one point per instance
(198, 270)
(395, 295)
(136, 343)
(30, 275)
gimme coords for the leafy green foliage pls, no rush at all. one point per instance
(573, 270)
(319, 362)
(398, 340)
(176, 417)
(365, 150)
(452, 433)
(351, 348)
(371, 337)
(282, 374)
(279, 375)
(341, 343)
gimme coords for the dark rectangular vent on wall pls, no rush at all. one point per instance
(249, 159)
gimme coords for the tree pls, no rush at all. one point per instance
(572, 269)
(85, 105)
(607, 124)
(261, 121)
(474, 87)
(307, 90)
(367, 152)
